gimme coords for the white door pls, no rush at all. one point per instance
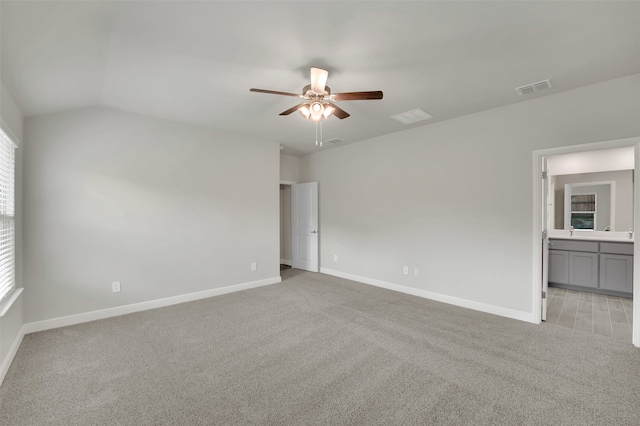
(304, 226)
(547, 211)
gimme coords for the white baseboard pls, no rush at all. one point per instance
(463, 303)
(49, 324)
(8, 359)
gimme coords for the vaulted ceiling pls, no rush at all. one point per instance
(194, 61)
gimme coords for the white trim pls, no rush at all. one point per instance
(13, 350)
(537, 224)
(10, 300)
(536, 294)
(451, 300)
(49, 324)
(595, 146)
(635, 316)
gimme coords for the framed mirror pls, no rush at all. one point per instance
(588, 202)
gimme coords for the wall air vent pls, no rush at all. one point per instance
(412, 116)
(533, 87)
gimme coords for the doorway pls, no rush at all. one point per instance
(543, 211)
(299, 236)
(285, 225)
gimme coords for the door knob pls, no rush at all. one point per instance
(314, 232)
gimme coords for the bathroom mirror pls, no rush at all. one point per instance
(601, 201)
(589, 206)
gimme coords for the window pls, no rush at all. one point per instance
(7, 216)
(583, 211)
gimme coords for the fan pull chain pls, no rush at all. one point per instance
(318, 139)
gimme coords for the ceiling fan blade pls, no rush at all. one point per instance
(292, 109)
(318, 79)
(356, 96)
(273, 92)
(339, 112)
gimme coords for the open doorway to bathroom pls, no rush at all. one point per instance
(586, 210)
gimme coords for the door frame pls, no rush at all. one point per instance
(539, 204)
(544, 235)
(288, 183)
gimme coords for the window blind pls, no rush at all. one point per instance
(7, 215)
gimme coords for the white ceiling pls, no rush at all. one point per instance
(194, 61)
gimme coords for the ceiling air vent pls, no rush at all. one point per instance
(412, 116)
(533, 87)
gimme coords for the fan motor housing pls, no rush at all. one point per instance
(307, 92)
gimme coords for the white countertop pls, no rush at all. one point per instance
(618, 237)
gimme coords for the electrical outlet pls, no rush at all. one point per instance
(405, 270)
(115, 287)
(416, 272)
(254, 266)
(335, 257)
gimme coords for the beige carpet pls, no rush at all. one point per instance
(316, 349)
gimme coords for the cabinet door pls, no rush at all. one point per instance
(559, 266)
(583, 269)
(616, 272)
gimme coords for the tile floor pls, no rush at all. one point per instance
(591, 313)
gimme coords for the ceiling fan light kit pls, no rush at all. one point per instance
(316, 111)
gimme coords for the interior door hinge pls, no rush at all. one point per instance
(544, 294)
(544, 175)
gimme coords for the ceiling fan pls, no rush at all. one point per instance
(318, 104)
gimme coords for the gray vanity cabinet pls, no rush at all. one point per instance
(559, 266)
(583, 269)
(601, 267)
(616, 267)
(573, 263)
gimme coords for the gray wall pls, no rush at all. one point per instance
(167, 209)
(9, 112)
(289, 168)
(455, 198)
